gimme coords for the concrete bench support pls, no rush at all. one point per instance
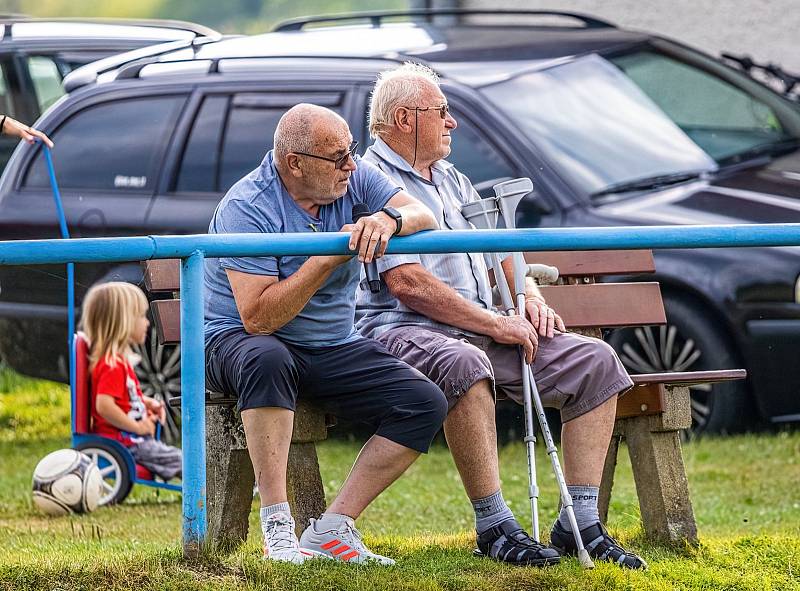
(231, 478)
(654, 447)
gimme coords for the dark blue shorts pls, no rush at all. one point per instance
(360, 381)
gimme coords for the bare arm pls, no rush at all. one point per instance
(265, 304)
(380, 227)
(418, 289)
(14, 128)
(108, 409)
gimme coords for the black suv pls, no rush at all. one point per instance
(615, 128)
(36, 54)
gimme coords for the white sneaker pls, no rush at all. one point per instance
(280, 541)
(343, 544)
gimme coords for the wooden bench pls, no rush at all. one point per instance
(652, 414)
(649, 417)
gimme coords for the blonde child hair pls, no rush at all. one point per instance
(110, 312)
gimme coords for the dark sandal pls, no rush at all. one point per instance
(599, 544)
(508, 542)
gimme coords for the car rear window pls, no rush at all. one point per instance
(112, 146)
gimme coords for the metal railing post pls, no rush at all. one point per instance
(193, 411)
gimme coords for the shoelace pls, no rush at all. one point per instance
(279, 534)
(353, 537)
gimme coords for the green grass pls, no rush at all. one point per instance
(744, 490)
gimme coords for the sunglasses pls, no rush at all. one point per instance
(443, 109)
(337, 162)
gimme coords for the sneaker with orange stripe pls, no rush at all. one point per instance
(343, 544)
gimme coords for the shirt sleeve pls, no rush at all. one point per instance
(111, 380)
(372, 186)
(236, 217)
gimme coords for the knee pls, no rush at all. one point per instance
(269, 362)
(431, 405)
(602, 353)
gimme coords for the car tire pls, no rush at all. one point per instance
(117, 480)
(159, 373)
(692, 340)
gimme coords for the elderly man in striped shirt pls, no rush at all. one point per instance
(435, 313)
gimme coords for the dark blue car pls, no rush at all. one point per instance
(615, 128)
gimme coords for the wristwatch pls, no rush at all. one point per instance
(395, 215)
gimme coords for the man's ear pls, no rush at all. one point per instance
(403, 120)
(293, 165)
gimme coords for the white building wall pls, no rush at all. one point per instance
(767, 30)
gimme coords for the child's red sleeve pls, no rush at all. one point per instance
(111, 381)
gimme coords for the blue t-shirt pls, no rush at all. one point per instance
(259, 203)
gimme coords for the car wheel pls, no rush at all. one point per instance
(159, 374)
(690, 341)
(117, 481)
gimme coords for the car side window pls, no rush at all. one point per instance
(46, 81)
(199, 169)
(475, 156)
(222, 150)
(6, 106)
(248, 136)
(111, 146)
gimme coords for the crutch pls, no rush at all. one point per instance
(509, 194)
(483, 215)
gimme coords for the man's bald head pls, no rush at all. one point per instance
(306, 127)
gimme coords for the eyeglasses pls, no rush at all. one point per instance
(337, 162)
(443, 109)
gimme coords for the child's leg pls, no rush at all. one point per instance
(158, 457)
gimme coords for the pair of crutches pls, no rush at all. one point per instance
(483, 215)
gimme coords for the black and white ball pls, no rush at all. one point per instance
(66, 481)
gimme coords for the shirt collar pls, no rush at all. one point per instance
(383, 151)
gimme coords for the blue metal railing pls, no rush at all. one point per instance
(194, 249)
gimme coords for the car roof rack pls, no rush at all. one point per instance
(89, 73)
(198, 30)
(134, 69)
(377, 17)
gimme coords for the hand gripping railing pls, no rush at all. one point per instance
(193, 249)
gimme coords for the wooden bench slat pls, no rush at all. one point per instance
(162, 275)
(167, 318)
(641, 400)
(606, 305)
(583, 263)
(688, 378)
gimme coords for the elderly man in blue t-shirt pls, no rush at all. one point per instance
(277, 326)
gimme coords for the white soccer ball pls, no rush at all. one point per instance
(66, 481)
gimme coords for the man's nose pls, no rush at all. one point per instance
(350, 164)
(450, 121)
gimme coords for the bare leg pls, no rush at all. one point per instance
(472, 437)
(585, 441)
(269, 432)
(378, 465)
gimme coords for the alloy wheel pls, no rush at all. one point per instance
(159, 373)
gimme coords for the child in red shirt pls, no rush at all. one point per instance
(115, 318)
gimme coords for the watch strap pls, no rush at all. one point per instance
(395, 215)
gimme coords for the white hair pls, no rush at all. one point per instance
(401, 87)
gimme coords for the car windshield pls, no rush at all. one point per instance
(612, 124)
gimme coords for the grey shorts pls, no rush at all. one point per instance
(161, 459)
(573, 373)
